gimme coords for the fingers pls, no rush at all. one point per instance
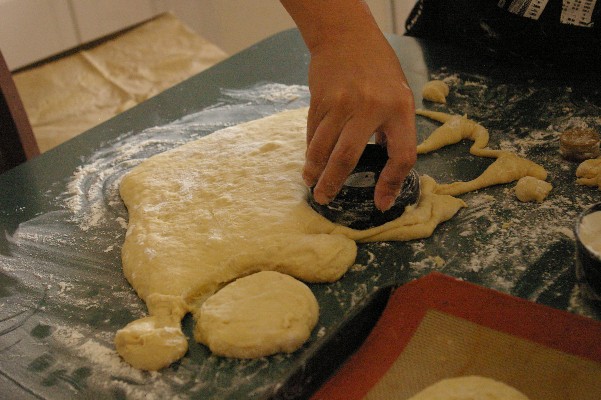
(401, 143)
(333, 168)
(392, 177)
(337, 144)
(322, 137)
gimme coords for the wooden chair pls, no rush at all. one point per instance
(17, 142)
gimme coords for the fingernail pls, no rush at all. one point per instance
(321, 198)
(309, 181)
(386, 203)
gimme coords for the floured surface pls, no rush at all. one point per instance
(59, 267)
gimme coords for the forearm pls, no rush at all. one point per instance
(326, 20)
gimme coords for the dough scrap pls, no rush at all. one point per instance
(258, 315)
(153, 342)
(588, 173)
(454, 129)
(469, 388)
(435, 91)
(507, 167)
(530, 188)
(233, 203)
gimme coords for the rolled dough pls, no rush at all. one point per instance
(469, 388)
(233, 203)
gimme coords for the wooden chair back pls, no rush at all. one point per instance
(17, 142)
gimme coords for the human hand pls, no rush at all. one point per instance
(357, 89)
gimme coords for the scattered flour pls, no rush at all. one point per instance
(60, 304)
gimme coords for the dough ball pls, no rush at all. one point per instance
(257, 315)
(530, 188)
(589, 173)
(469, 388)
(579, 144)
(151, 343)
(436, 91)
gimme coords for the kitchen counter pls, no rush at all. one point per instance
(62, 293)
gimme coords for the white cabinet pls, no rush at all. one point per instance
(95, 18)
(32, 29)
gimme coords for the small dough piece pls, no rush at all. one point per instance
(436, 91)
(469, 388)
(589, 173)
(506, 169)
(530, 188)
(154, 342)
(590, 231)
(579, 144)
(454, 129)
(258, 315)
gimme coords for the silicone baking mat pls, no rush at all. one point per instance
(439, 327)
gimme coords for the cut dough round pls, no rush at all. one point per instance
(469, 388)
(530, 188)
(258, 315)
(436, 91)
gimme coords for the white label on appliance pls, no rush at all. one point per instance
(577, 12)
(527, 8)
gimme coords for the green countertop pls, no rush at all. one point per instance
(62, 293)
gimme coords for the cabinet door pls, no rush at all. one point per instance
(95, 18)
(31, 30)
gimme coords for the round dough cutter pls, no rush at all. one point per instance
(354, 205)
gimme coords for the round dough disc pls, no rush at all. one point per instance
(258, 315)
(469, 388)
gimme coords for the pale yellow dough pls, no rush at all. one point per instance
(589, 173)
(530, 188)
(155, 341)
(469, 388)
(436, 91)
(508, 167)
(233, 203)
(258, 315)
